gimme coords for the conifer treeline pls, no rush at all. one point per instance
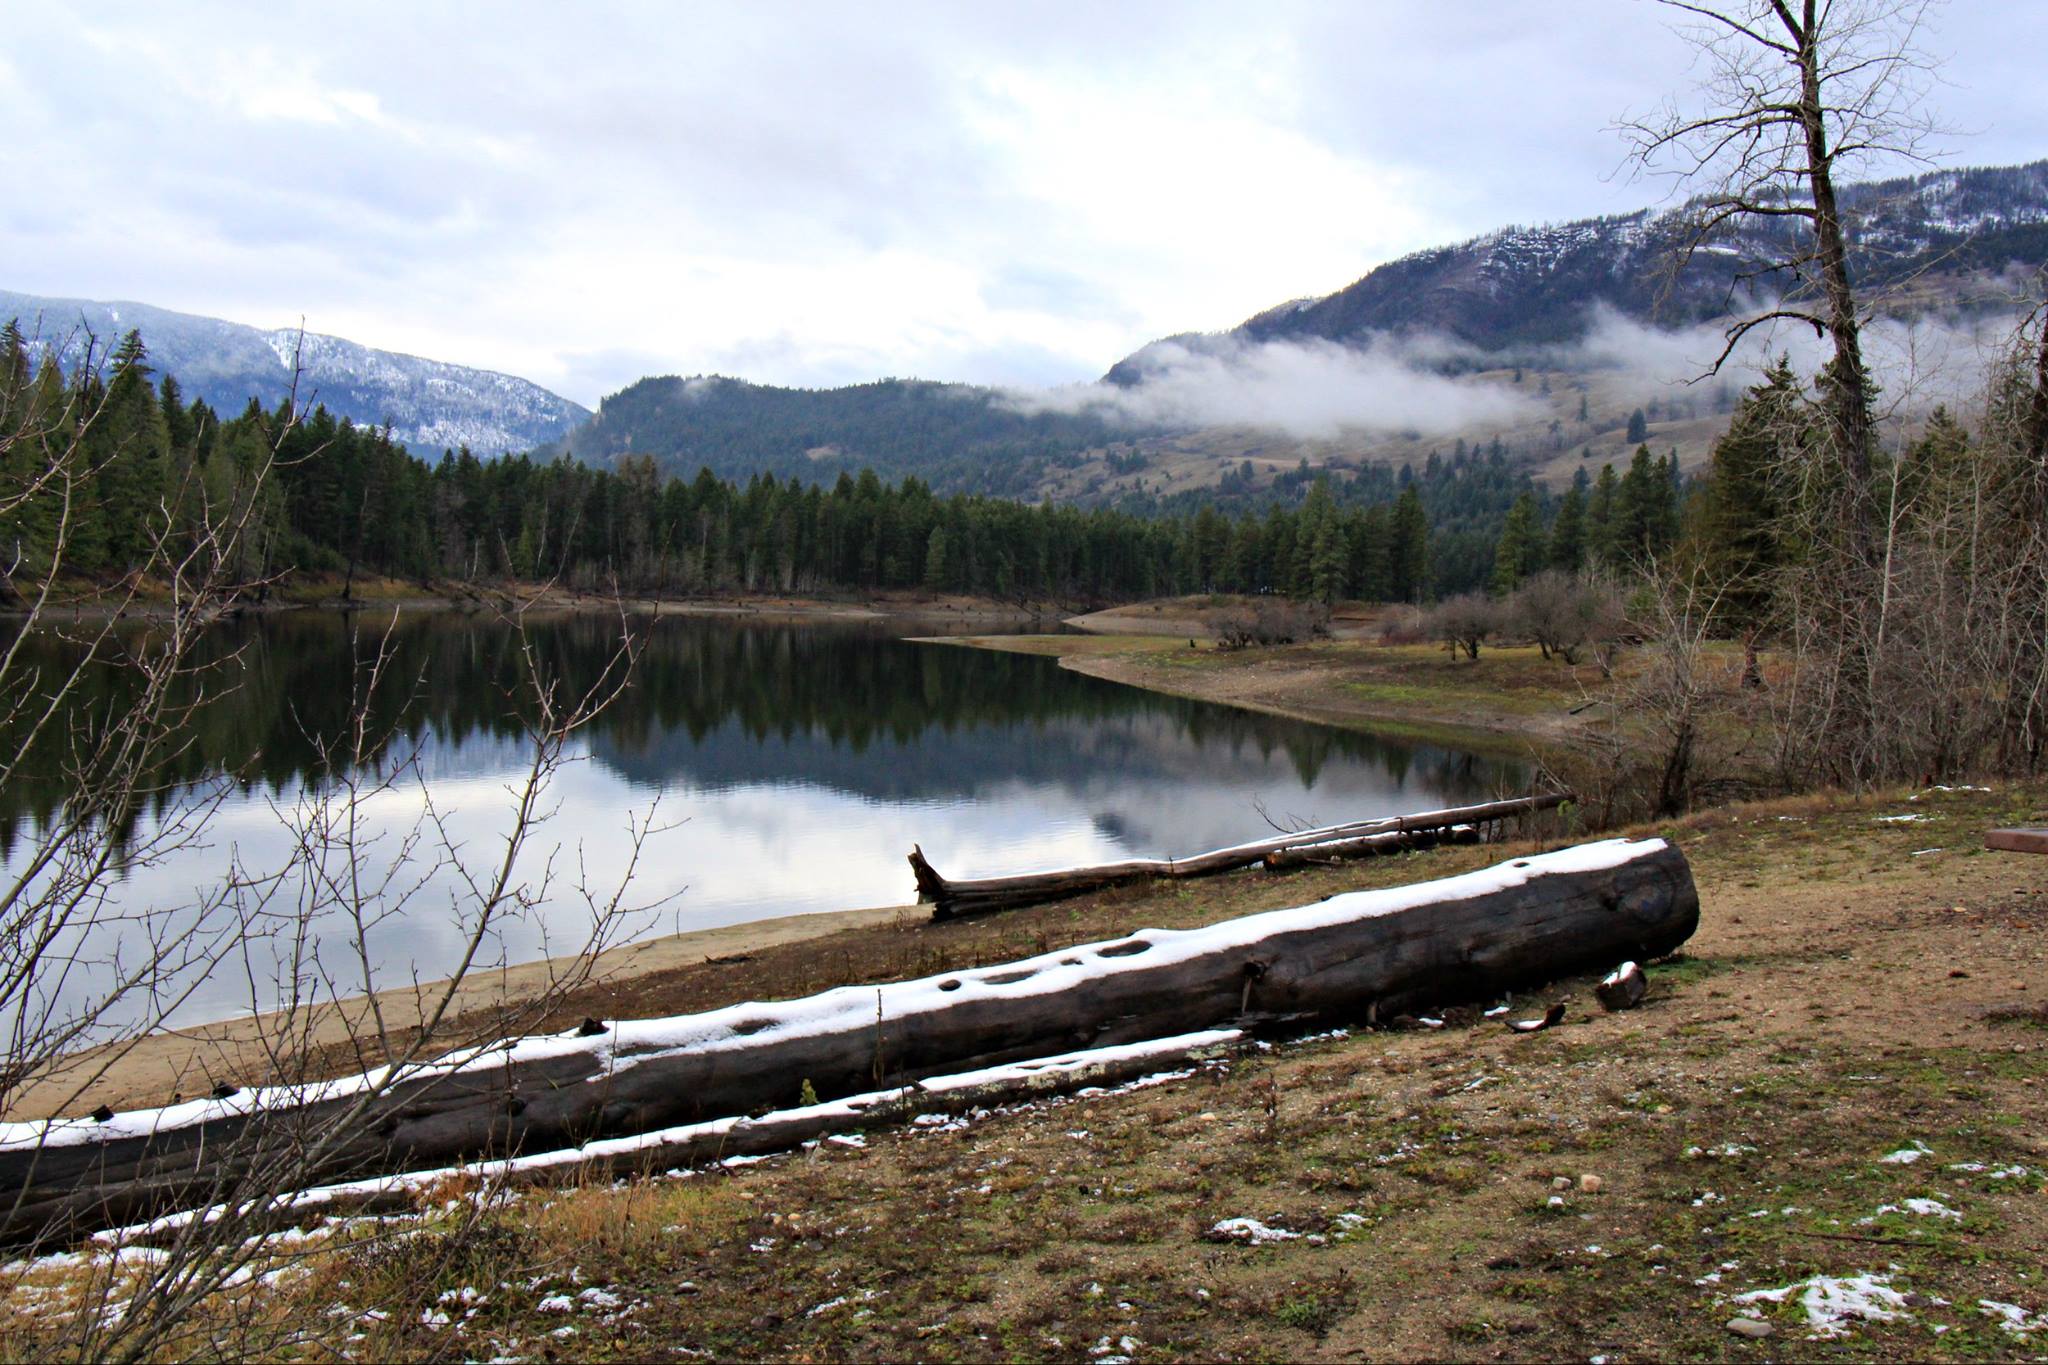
(346, 499)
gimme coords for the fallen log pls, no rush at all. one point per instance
(950, 898)
(2018, 840)
(1370, 846)
(1365, 954)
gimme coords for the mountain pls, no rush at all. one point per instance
(1949, 242)
(957, 437)
(430, 405)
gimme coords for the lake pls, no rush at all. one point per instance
(788, 767)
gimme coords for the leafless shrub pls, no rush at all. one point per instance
(1564, 613)
(1465, 622)
(1676, 724)
(1403, 624)
(1269, 621)
(1945, 656)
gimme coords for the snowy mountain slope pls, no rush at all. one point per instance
(1950, 241)
(430, 405)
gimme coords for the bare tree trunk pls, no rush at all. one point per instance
(1848, 393)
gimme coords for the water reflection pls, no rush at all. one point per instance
(802, 760)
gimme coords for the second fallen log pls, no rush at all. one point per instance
(950, 897)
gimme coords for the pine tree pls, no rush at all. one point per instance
(1520, 550)
(1603, 521)
(128, 444)
(1365, 536)
(1329, 567)
(936, 569)
(1568, 532)
(1648, 508)
(1408, 548)
(1740, 518)
(1638, 427)
(14, 370)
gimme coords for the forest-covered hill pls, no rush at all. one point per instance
(956, 437)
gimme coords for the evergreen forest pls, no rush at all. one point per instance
(327, 496)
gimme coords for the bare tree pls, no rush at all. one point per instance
(1676, 722)
(1796, 93)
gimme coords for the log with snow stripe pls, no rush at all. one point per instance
(1464, 937)
(951, 898)
(720, 1140)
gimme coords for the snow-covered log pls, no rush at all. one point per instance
(1350, 957)
(971, 896)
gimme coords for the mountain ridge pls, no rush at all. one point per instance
(1948, 236)
(430, 404)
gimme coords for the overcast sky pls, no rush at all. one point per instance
(824, 193)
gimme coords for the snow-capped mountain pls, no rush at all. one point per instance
(1950, 241)
(430, 405)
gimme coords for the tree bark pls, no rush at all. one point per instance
(1367, 954)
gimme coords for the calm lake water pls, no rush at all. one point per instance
(788, 768)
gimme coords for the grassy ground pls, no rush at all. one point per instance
(1861, 985)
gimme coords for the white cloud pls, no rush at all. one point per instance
(992, 194)
(1916, 363)
(1308, 389)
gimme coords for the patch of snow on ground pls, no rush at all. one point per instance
(1905, 1156)
(2013, 1318)
(1251, 1232)
(1921, 1208)
(1833, 1303)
